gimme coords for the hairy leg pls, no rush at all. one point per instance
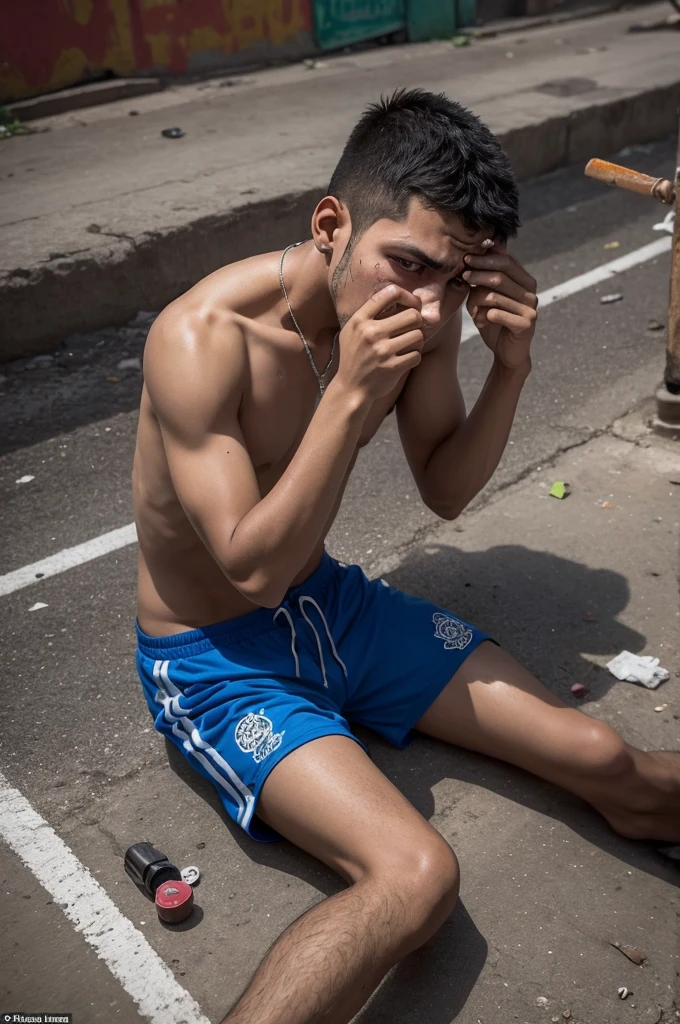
(329, 798)
(495, 706)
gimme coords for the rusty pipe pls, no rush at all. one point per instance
(624, 177)
(672, 374)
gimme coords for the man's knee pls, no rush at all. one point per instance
(601, 753)
(423, 880)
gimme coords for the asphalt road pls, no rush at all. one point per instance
(76, 739)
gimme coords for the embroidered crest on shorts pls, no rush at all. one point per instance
(453, 632)
(254, 735)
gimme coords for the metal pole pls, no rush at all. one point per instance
(668, 396)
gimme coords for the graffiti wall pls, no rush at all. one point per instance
(50, 44)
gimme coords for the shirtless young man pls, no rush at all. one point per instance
(255, 647)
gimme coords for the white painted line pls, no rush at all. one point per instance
(71, 557)
(587, 280)
(117, 942)
(68, 558)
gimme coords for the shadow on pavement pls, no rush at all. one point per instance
(436, 981)
(552, 614)
(534, 604)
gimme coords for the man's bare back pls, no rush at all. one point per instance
(236, 312)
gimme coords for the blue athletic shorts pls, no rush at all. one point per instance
(238, 696)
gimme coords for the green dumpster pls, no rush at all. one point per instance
(342, 22)
(339, 23)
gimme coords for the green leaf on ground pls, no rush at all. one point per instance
(11, 125)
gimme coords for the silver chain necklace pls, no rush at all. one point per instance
(320, 377)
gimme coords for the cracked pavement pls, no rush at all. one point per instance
(564, 585)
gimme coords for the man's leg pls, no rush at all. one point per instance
(329, 798)
(495, 706)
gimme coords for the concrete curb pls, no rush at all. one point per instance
(42, 306)
(80, 96)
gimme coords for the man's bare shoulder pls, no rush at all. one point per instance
(246, 288)
(200, 338)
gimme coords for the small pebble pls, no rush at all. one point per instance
(655, 325)
(623, 992)
(661, 707)
(614, 297)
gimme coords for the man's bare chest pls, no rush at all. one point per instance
(275, 415)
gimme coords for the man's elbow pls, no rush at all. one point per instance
(259, 587)
(265, 593)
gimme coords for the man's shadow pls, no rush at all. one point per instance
(546, 611)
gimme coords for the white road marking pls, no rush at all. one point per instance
(587, 280)
(117, 942)
(107, 542)
(68, 558)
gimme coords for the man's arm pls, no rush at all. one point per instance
(452, 457)
(195, 375)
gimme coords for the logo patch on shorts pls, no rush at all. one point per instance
(453, 632)
(254, 735)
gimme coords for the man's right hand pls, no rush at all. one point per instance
(375, 352)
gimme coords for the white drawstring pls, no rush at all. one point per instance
(337, 657)
(293, 637)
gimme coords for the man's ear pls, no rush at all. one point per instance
(328, 221)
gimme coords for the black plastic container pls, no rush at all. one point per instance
(148, 868)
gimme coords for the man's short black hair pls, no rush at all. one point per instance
(418, 143)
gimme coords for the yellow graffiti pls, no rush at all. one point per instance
(207, 38)
(160, 44)
(79, 10)
(246, 23)
(251, 21)
(12, 85)
(70, 66)
(120, 54)
(267, 21)
(280, 31)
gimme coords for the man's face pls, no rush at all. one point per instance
(423, 254)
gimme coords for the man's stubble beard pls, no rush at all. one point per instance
(339, 277)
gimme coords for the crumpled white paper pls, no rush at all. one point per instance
(638, 668)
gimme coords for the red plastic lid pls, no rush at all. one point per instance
(174, 900)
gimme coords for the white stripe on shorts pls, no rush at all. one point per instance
(192, 741)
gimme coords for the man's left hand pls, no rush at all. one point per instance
(502, 303)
